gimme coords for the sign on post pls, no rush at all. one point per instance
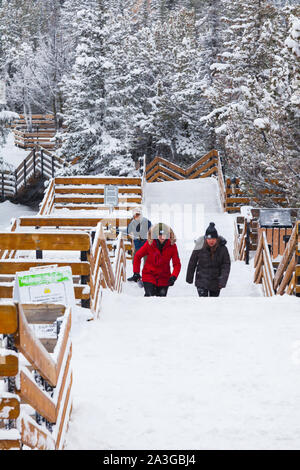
(111, 195)
(49, 284)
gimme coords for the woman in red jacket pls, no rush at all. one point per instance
(159, 249)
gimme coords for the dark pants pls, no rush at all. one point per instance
(153, 290)
(207, 293)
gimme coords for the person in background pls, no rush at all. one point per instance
(160, 249)
(138, 229)
(211, 261)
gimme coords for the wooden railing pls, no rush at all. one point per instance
(232, 197)
(66, 244)
(86, 194)
(39, 164)
(161, 169)
(43, 381)
(235, 197)
(38, 129)
(91, 267)
(120, 264)
(283, 277)
(264, 271)
(76, 193)
(102, 275)
(286, 279)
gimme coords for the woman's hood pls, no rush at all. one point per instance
(154, 232)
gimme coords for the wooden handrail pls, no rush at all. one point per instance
(54, 368)
(286, 278)
(162, 168)
(120, 263)
(264, 271)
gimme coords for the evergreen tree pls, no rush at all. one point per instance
(84, 89)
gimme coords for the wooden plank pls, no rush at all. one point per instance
(282, 243)
(162, 176)
(9, 407)
(203, 168)
(43, 313)
(10, 444)
(31, 394)
(64, 342)
(285, 258)
(162, 162)
(52, 221)
(93, 200)
(34, 436)
(95, 190)
(287, 276)
(12, 266)
(94, 208)
(160, 168)
(33, 350)
(44, 241)
(9, 365)
(98, 180)
(66, 406)
(8, 319)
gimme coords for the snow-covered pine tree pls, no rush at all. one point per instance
(52, 60)
(245, 102)
(173, 121)
(84, 88)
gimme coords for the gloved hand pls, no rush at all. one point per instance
(136, 277)
(172, 280)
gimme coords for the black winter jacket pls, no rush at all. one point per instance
(212, 267)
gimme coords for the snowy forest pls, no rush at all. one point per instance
(175, 78)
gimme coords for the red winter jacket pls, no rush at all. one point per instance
(157, 265)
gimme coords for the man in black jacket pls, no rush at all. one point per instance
(211, 261)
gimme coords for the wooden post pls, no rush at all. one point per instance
(16, 182)
(34, 162)
(42, 162)
(25, 173)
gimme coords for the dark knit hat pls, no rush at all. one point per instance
(211, 231)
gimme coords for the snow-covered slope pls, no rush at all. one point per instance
(183, 372)
(187, 373)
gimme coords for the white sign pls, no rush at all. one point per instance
(2, 92)
(46, 285)
(111, 195)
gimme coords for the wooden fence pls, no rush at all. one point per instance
(282, 277)
(39, 164)
(43, 381)
(161, 169)
(232, 197)
(36, 130)
(264, 271)
(76, 193)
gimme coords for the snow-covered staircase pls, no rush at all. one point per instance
(184, 372)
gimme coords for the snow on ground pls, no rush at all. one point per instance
(187, 373)
(9, 211)
(183, 372)
(11, 154)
